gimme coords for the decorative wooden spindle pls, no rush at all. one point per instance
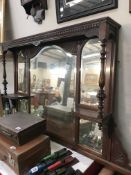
(101, 92)
(4, 74)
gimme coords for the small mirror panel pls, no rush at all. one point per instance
(90, 136)
(22, 74)
(90, 70)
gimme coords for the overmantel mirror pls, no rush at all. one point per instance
(70, 80)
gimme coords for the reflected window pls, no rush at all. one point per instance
(90, 71)
(90, 135)
(52, 80)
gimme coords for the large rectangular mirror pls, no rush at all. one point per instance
(52, 80)
(53, 88)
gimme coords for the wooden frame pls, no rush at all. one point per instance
(1, 106)
(129, 6)
(72, 39)
(2, 14)
(71, 9)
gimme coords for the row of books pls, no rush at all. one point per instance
(57, 163)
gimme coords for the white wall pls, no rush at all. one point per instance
(21, 26)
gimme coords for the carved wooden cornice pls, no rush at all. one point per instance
(62, 33)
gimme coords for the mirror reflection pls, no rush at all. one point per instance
(52, 80)
(90, 135)
(22, 74)
(90, 70)
(69, 8)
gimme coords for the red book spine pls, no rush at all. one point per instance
(60, 163)
(54, 166)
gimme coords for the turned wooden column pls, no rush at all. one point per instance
(101, 92)
(4, 73)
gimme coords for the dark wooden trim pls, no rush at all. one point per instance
(100, 160)
(88, 115)
(65, 33)
(4, 73)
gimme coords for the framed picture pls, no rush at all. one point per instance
(2, 14)
(71, 9)
(91, 80)
(129, 6)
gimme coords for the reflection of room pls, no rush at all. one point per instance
(82, 3)
(90, 70)
(52, 77)
(90, 135)
(22, 74)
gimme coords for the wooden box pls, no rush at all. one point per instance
(22, 158)
(60, 123)
(21, 127)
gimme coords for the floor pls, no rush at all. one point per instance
(82, 165)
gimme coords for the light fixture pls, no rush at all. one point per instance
(91, 55)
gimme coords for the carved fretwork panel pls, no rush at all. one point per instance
(70, 46)
(32, 51)
(118, 154)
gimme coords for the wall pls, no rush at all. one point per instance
(21, 26)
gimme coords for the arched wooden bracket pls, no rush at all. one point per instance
(109, 123)
(35, 8)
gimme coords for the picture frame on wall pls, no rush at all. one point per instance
(129, 6)
(72, 9)
(2, 15)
